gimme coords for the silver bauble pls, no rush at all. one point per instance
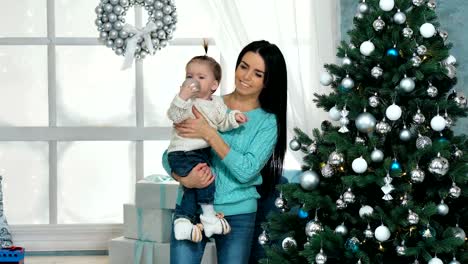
(413, 218)
(320, 258)
(431, 4)
(374, 101)
(377, 155)
(108, 8)
(335, 158)
(334, 113)
(419, 118)
(442, 208)
(313, 227)
(383, 127)
(443, 34)
(280, 203)
(309, 180)
(401, 249)
(405, 134)
(118, 10)
(107, 26)
(365, 122)
(123, 34)
(289, 243)
(376, 72)
(347, 61)
(358, 15)
(326, 78)
(451, 71)
(363, 8)
(432, 91)
(378, 24)
(448, 121)
(454, 261)
(407, 32)
(167, 19)
(421, 50)
(454, 191)
(359, 141)
(407, 84)
(399, 17)
(348, 196)
(459, 233)
(458, 153)
(340, 204)
(167, 9)
(263, 238)
(450, 60)
(423, 142)
(368, 233)
(341, 230)
(416, 61)
(294, 145)
(439, 165)
(417, 175)
(418, 2)
(327, 171)
(366, 211)
(460, 100)
(312, 148)
(119, 42)
(109, 43)
(347, 83)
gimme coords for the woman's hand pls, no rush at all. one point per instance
(195, 128)
(199, 177)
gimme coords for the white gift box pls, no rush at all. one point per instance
(156, 192)
(147, 224)
(130, 251)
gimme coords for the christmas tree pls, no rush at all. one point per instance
(388, 184)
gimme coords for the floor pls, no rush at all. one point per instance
(67, 260)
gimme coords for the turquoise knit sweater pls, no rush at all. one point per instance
(251, 144)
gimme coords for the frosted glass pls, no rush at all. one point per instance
(164, 73)
(23, 18)
(25, 170)
(76, 18)
(23, 80)
(153, 151)
(91, 88)
(94, 180)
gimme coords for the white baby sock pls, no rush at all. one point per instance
(183, 229)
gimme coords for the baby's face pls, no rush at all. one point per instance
(204, 75)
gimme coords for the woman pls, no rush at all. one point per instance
(244, 158)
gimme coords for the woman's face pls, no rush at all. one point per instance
(250, 74)
(202, 72)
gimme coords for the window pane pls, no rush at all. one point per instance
(76, 18)
(25, 170)
(164, 73)
(94, 180)
(23, 77)
(91, 88)
(153, 151)
(23, 18)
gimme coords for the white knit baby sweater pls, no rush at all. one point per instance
(214, 111)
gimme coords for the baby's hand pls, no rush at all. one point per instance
(240, 118)
(189, 88)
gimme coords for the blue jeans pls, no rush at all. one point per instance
(233, 248)
(182, 162)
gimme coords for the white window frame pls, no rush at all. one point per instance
(71, 237)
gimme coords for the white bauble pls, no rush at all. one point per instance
(438, 123)
(326, 78)
(366, 48)
(359, 165)
(386, 5)
(435, 260)
(377, 155)
(393, 112)
(366, 210)
(427, 30)
(382, 233)
(334, 113)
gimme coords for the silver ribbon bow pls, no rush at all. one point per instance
(132, 42)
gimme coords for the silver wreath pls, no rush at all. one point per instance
(128, 40)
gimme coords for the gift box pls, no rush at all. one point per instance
(147, 224)
(12, 255)
(156, 192)
(130, 251)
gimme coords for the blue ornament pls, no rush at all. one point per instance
(352, 244)
(395, 166)
(342, 89)
(392, 52)
(302, 214)
(443, 140)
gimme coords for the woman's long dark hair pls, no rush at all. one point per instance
(273, 99)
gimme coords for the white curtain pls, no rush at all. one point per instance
(307, 33)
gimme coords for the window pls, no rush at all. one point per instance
(76, 132)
